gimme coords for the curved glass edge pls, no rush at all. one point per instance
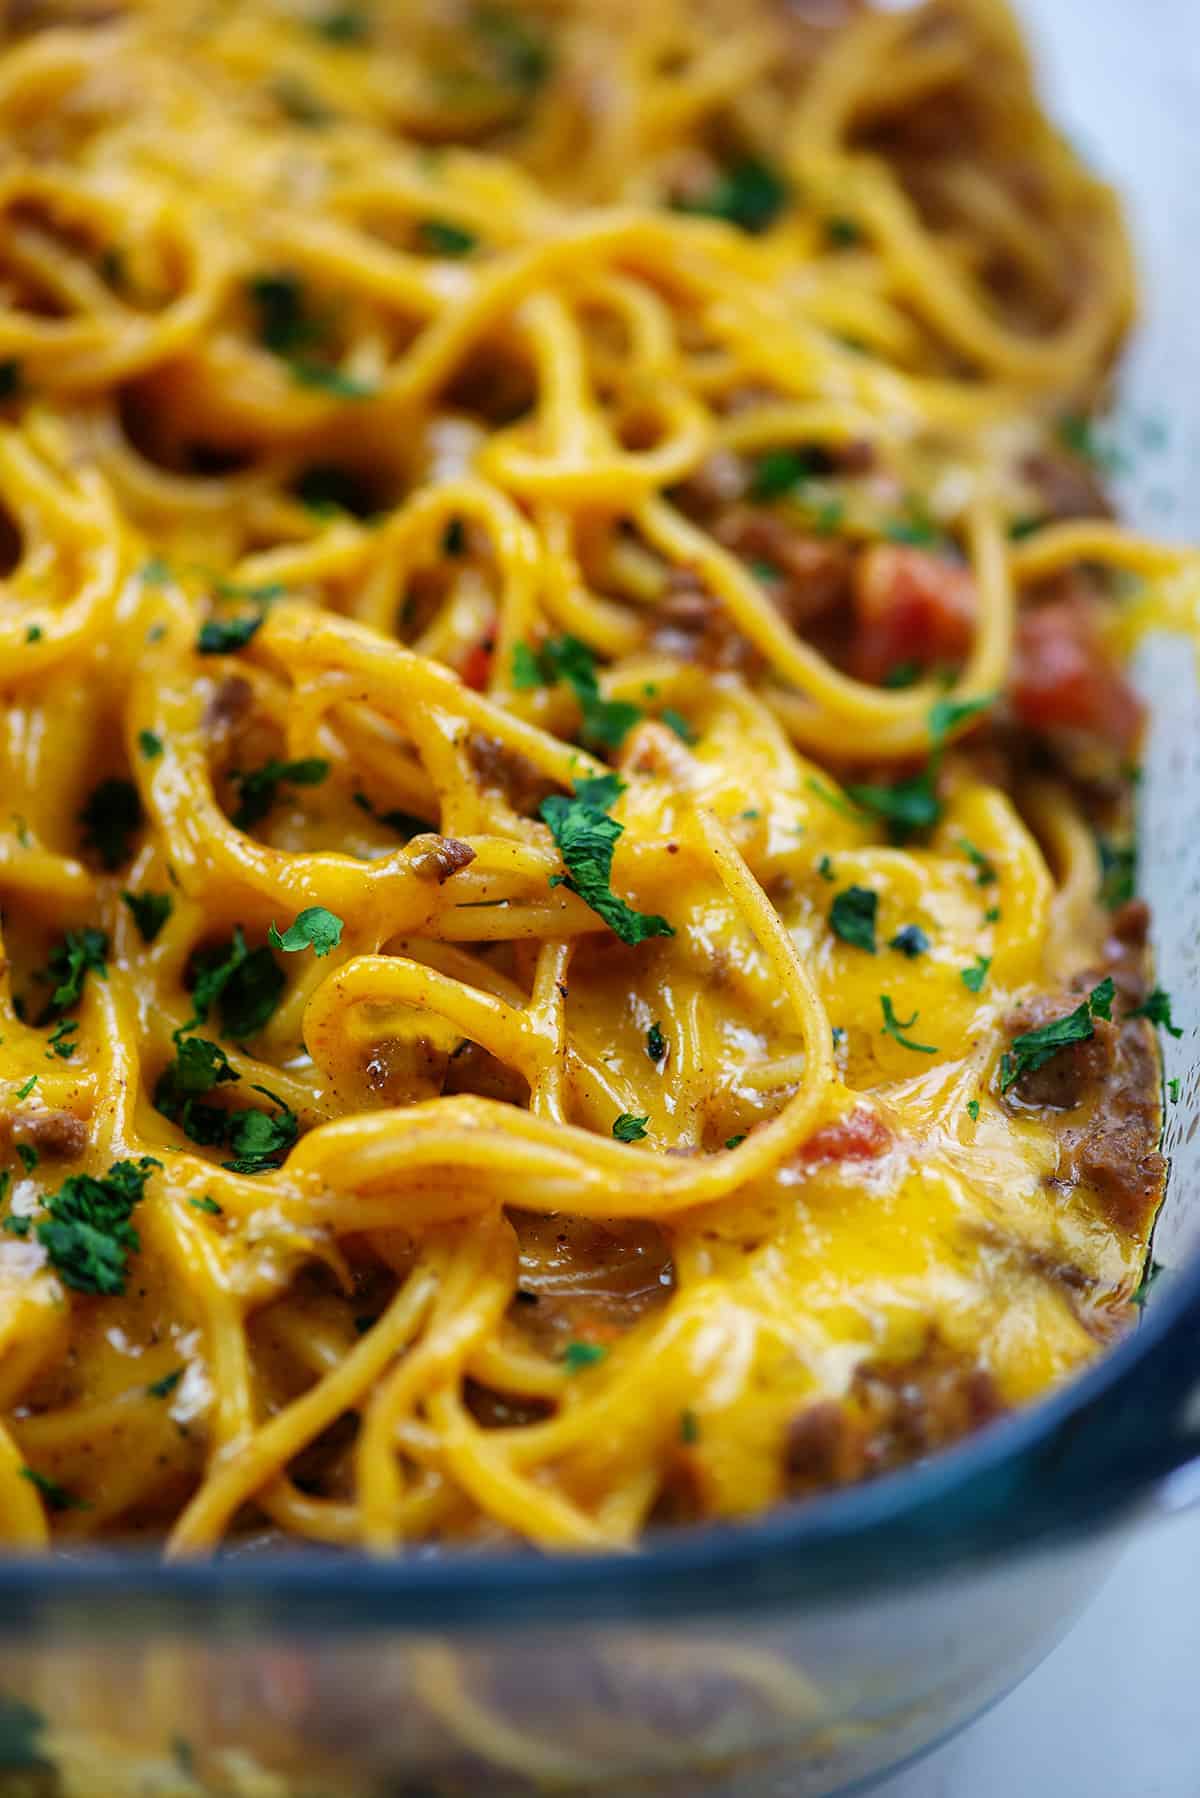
(1082, 1460)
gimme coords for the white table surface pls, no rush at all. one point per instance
(1114, 1712)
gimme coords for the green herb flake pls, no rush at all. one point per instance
(208, 1206)
(894, 1027)
(852, 917)
(678, 723)
(1118, 871)
(314, 928)
(974, 976)
(842, 232)
(225, 636)
(985, 872)
(88, 1236)
(28, 1155)
(59, 1042)
(579, 1355)
(973, 1110)
(33, 633)
(605, 722)
(150, 745)
(586, 837)
(112, 815)
(81, 952)
(245, 983)
(1157, 1007)
(825, 868)
(1034, 1048)
(258, 790)
(750, 195)
(57, 1497)
(165, 1387)
(27, 1086)
(689, 1428)
(778, 472)
(149, 912)
(735, 1142)
(656, 1043)
(258, 1140)
(1173, 1089)
(628, 1128)
(911, 941)
(442, 238)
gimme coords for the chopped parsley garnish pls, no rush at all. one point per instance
(1034, 1048)
(80, 952)
(749, 194)
(208, 1205)
(348, 25)
(912, 804)
(582, 1354)
(842, 231)
(16, 1226)
(777, 471)
(112, 815)
(973, 1110)
(444, 239)
(57, 1497)
(29, 1156)
(832, 799)
(735, 1142)
(246, 983)
(225, 636)
(586, 837)
(894, 1026)
(656, 1043)
(628, 1128)
(59, 1042)
(285, 323)
(852, 917)
(1157, 1007)
(326, 487)
(257, 1140)
(605, 721)
(918, 531)
(149, 911)
(974, 976)
(165, 1387)
(1118, 871)
(1173, 1089)
(257, 790)
(314, 928)
(330, 380)
(985, 872)
(198, 1067)
(689, 1427)
(33, 633)
(88, 1236)
(992, 915)
(150, 745)
(825, 868)
(910, 941)
(27, 1086)
(678, 723)
(520, 53)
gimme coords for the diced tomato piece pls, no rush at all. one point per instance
(477, 669)
(861, 1135)
(1065, 679)
(911, 606)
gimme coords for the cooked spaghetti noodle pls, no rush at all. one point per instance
(564, 777)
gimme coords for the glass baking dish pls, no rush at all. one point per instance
(802, 1654)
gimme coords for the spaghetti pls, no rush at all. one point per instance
(560, 734)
